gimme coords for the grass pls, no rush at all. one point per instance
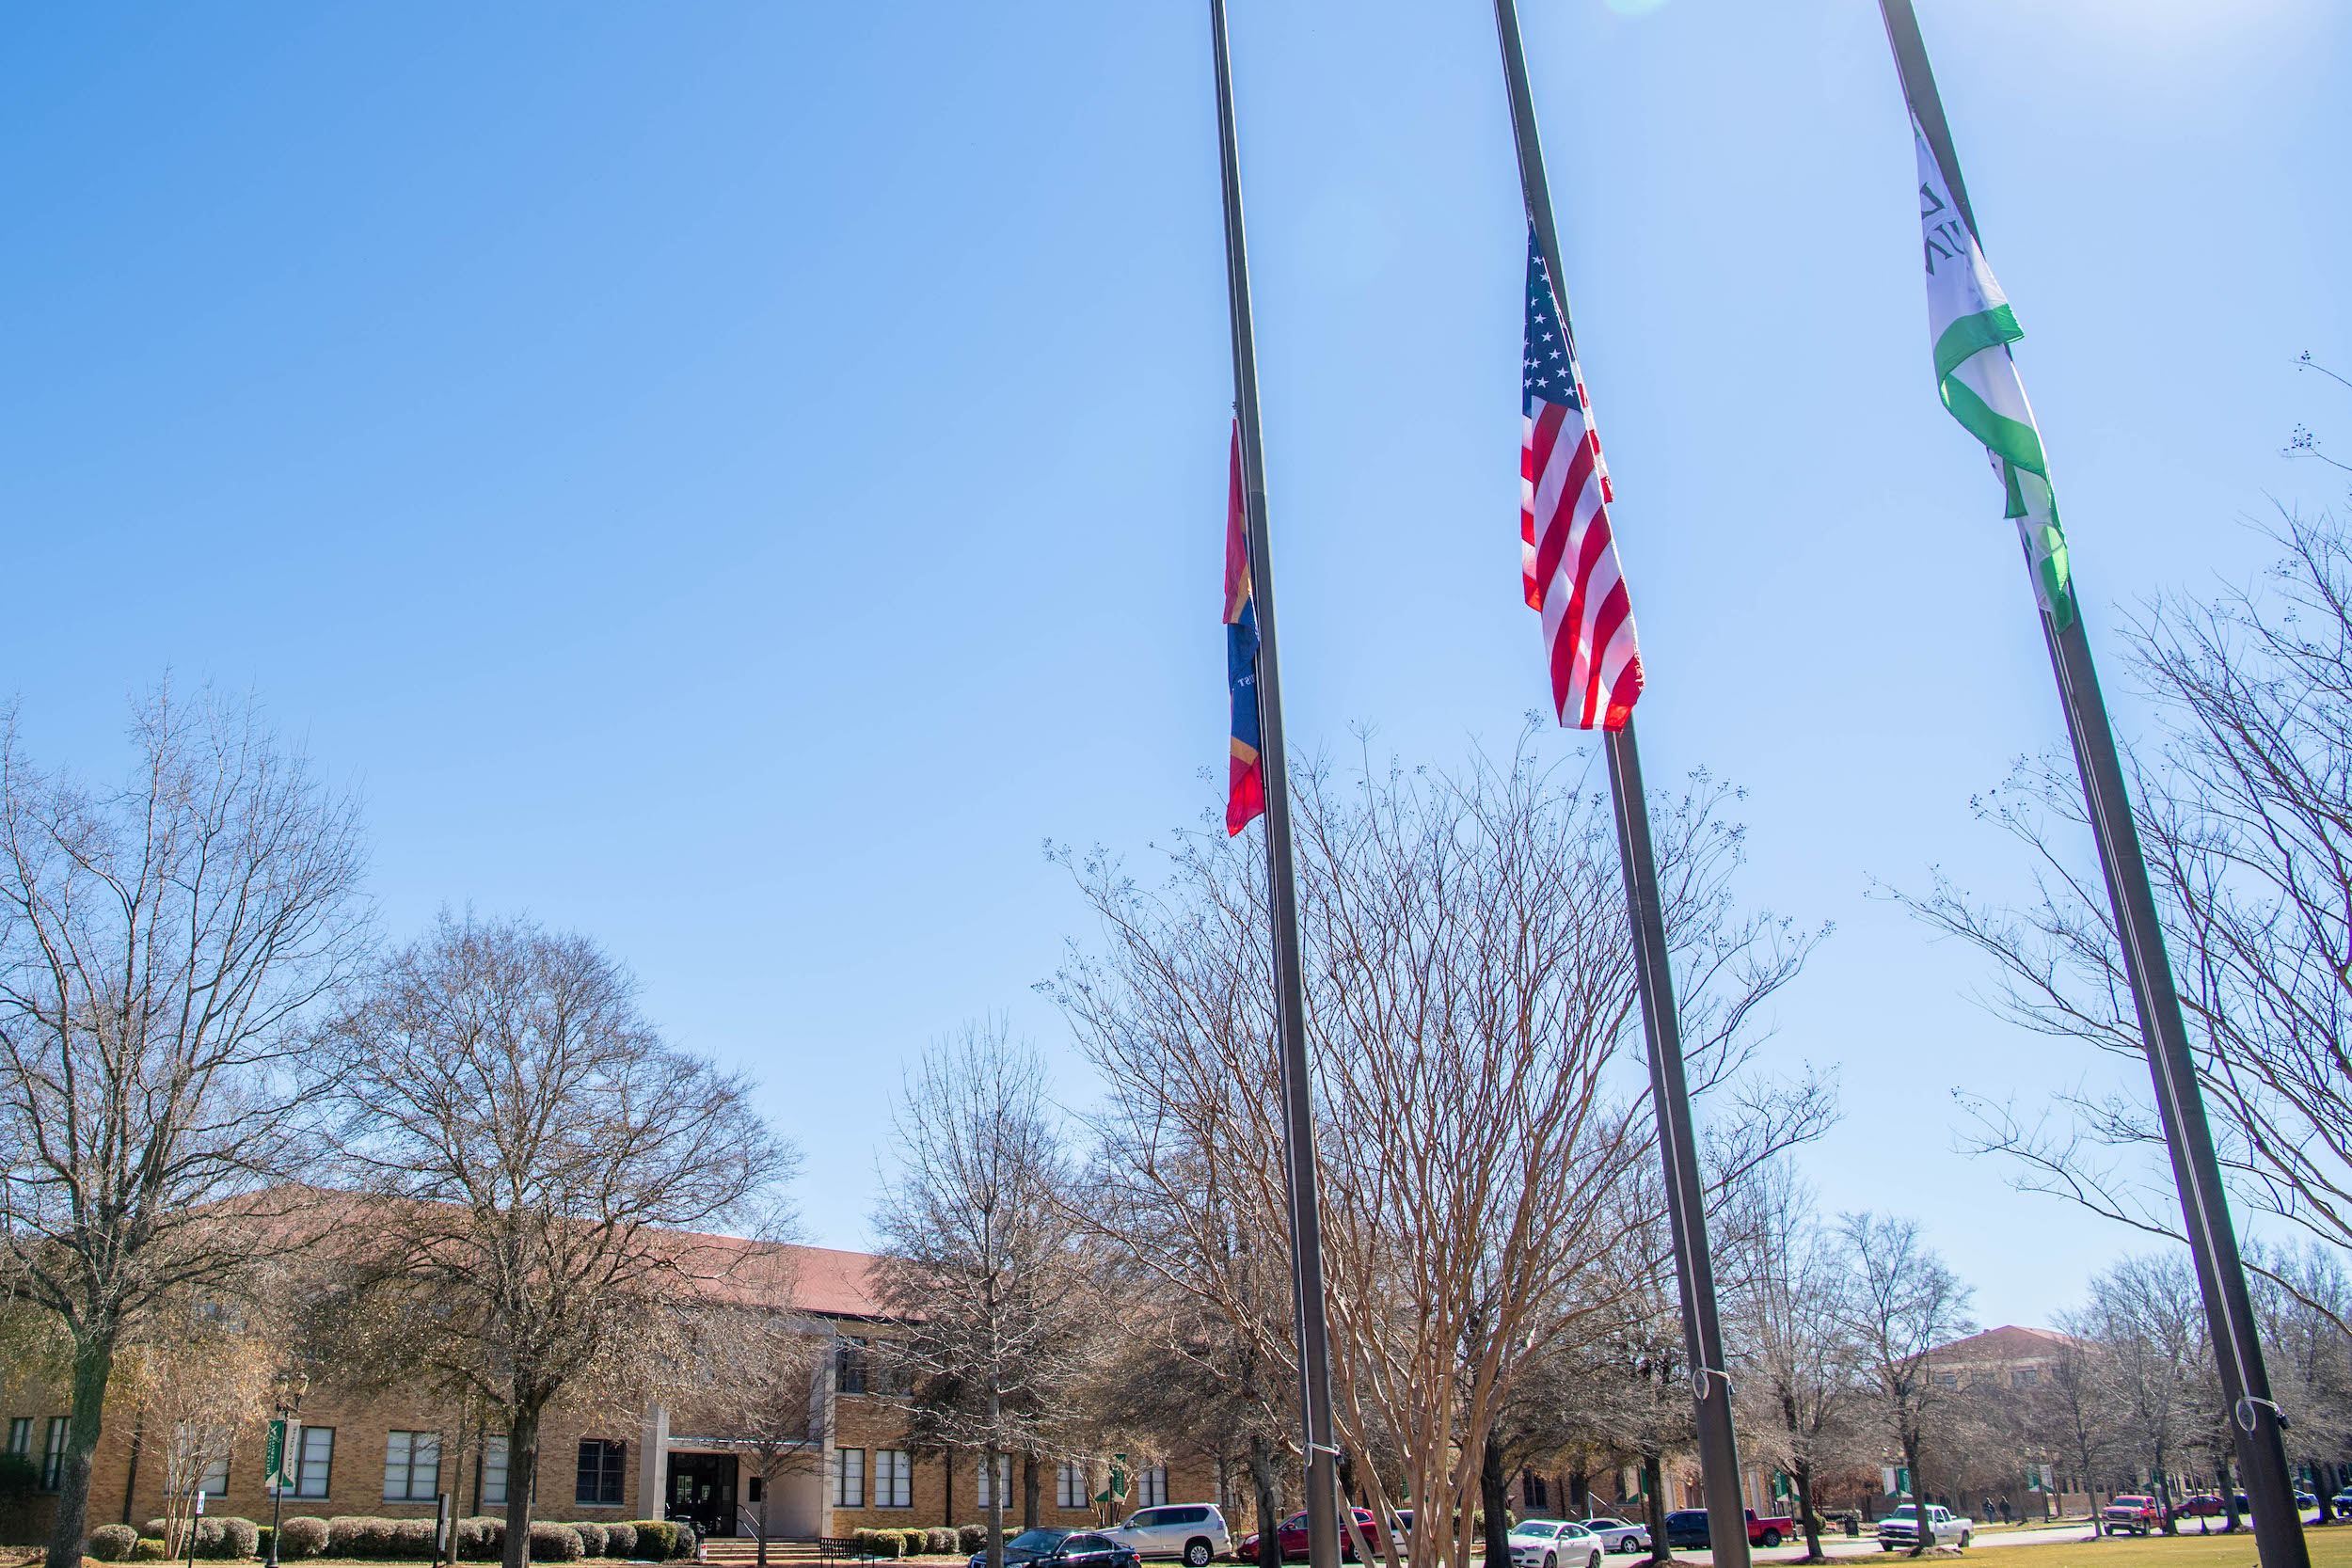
(2330, 1549)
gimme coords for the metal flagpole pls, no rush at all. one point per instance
(1685, 1209)
(2256, 1422)
(1298, 1142)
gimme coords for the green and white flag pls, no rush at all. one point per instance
(1972, 326)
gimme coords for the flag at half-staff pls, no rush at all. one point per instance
(1245, 790)
(1568, 557)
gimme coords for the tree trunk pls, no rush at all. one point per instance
(1654, 1487)
(1920, 1538)
(1810, 1523)
(995, 1492)
(2228, 1485)
(1266, 1486)
(1580, 1492)
(522, 1472)
(766, 1486)
(93, 1365)
(1029, 1491)
(1496, 1503)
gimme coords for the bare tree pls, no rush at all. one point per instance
(533, 1159)
(975, 1258)
(2149, 1320)
(164, 945)
(2245, 812)
(1801, 1384)
(1905, 1303)
(2310, 1357)
(759, 1376)
(1469, 989)
(2074, 1407)
(201, 1377)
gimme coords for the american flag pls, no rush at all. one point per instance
(1569, 559)
(1244, 795)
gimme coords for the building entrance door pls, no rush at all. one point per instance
(702, 1488)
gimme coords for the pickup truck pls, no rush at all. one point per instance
(1900, 1528)
(1687, 1526)
(2135, 1514)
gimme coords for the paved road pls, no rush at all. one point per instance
(1838, 1545)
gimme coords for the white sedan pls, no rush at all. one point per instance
(1553, 1543)
(1622, 1535)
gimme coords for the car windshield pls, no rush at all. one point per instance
(1537, 1529)
(1040, 1540)
(1908, 1511)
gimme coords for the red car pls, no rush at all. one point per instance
(2137, 1514)
(1291, 1535)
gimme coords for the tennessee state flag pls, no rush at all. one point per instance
(1244, 795)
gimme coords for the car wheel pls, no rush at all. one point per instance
(1551, 1559)
(1964, 1541)
(1197, 1554)
(1771, 1538)
(1593, 1562)
(1630, 1545)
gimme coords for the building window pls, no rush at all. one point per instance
(412, 1466)
(213, 1482)
(848, 1478)
(53, 1454)
(21, 1435)
(1070, 1486)
(494, 1471)
(999, 1495)
(848, 1366)
(600, 1466)
(1152, 1487)
(894, 1478)
(1947, 1380)
(2024, 1377)
(316, 1465)
(888, 1373)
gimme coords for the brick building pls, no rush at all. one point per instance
(387, 1457)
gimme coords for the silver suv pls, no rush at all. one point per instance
(1193, 1532)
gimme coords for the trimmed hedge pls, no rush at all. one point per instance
(482, 1538)
(591, 1537)
(620, 1540)
(878, 1543)
(111, 1542)
(554, 1542)
(226, 1536)
(971, 1538)
(150, 1548)
(938, 1541)
(656, 1539)
(302, 1536)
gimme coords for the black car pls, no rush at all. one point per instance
(1685, 1527)
(1064, 1548)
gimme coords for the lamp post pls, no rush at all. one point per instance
(287, 1397)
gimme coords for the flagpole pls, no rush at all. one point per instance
(1686, 1207)
(2255, 1425)
(1298, 1141)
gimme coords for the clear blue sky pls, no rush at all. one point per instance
(738, 479)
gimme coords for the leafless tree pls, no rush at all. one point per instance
(758, 1375)
(1471, 990)
(1905, 1303)
(199, 1376)
(975, 1258)
(2245, 812)
(533, 1160)
(2310, 1357)
(164, 945)
(1801, 1382)
(2074, 1407)
(2150, 1322)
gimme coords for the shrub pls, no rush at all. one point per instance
(918, 1542)
(227, 1536)
(591, 1537)
(554, 1542)
(620, 1540)
(938, 1542)
(413, 1538)
(112, 1542)
(682, 1543)
(150, 1548)
(880, 1542)
(302, 1536)
(482, 1538)
(18, 1477)
(351, 1535)
(656, 1539)
(971, 1538)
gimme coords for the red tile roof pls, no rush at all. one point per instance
(2007, 1343)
